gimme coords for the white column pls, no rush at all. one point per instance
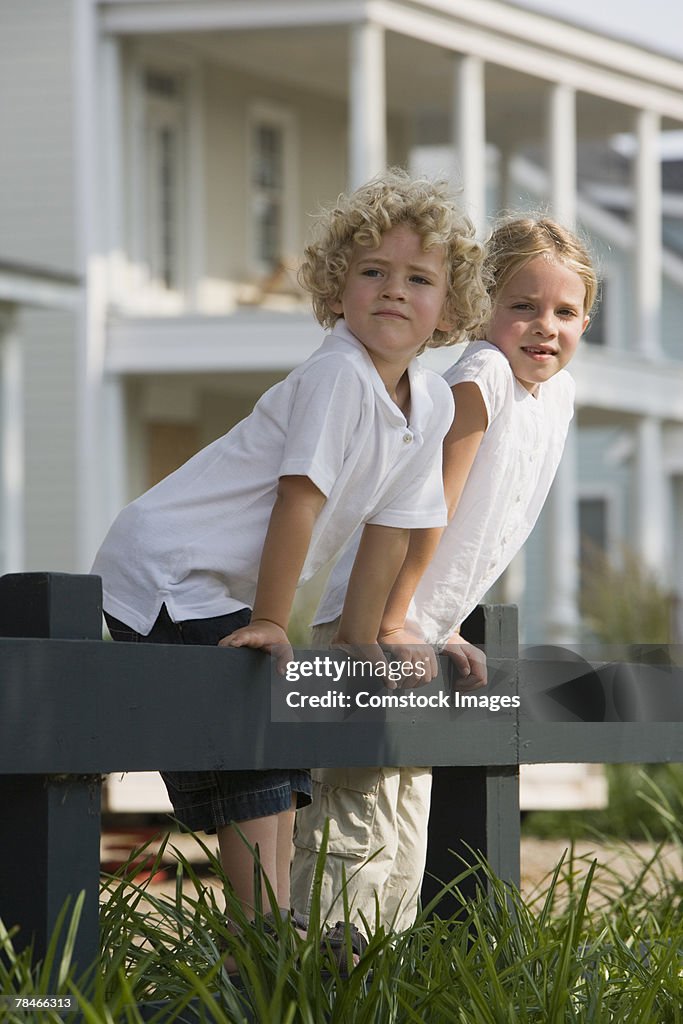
(469, 134)
(91, 318)
(111, 168)
(12, 552)
(648, 231)
(514, 581)
(561, 144)
(367, 97)
(651, 499)
(562, 550)
(507, 186)
(115, 445)
(111, 389)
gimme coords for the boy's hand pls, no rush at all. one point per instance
(408, 645)
(469, 661)
(263, 635)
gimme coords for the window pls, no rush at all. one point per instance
(607, 325)
(597, 328)
(267, 198)
(163, 183)
(271, 185)
(593, 522)
(593, 538)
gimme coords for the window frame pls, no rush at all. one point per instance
(144, 292)
(262, 112)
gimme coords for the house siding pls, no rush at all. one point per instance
(37, 208)
(48, 340)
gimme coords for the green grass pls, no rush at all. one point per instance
(637, 796)
(579, 951)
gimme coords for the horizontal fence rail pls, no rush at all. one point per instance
(79, 707)
(74, 707)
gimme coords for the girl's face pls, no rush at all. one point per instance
(538, 318)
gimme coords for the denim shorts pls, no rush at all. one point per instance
(206, 801)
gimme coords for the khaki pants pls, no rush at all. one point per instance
(377, 813)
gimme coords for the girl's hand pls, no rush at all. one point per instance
(469, 661)
(408, 646)
(367, 653)
(263, 635)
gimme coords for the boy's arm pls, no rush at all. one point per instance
(460, 448)
(380, 555)
(297, 506)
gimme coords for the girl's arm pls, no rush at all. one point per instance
(460, 448)
(297, 506)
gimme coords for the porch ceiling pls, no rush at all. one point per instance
(419, 78)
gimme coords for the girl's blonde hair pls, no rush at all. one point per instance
(517, 240)
(364, 216)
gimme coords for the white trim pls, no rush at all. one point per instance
(112, 167)
(623, 198)
(482, 41)
(12, 540)
(647, 256)
(30, 288)
(495, 32)
(652, 528)
(115, 446)
(550, 33)
(152, 16)
(537, 29)
(260, 111)
(627, 384)
(91, 315)
(190, 344)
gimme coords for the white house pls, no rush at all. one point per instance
(160, 162)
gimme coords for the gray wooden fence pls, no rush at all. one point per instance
(73, 707)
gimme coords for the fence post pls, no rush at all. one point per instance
(50, 824)
(476, 807)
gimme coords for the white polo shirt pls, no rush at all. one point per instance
(194, 541)
(501, 501)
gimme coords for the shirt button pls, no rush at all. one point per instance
(407, 438)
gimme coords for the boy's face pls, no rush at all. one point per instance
(394, 296)
(538, 318)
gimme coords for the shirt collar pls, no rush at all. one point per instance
(341, 337)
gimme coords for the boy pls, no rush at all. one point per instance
(352, 438)
(514, 401)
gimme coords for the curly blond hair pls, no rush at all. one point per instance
(515, 241)
(364, 216)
